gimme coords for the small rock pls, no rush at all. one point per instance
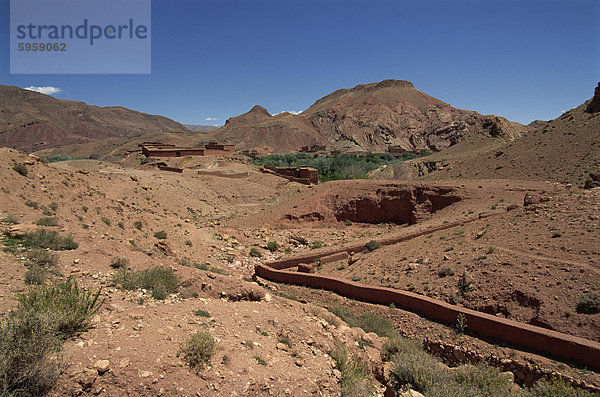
(144, 374)
(102, 366)
(124, 363)
(282, 346)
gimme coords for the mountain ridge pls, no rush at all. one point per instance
(33, 121)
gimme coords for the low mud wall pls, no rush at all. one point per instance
(542, 340)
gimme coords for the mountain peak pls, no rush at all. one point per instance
(257, 109)
(255, 114)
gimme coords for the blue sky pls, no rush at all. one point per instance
(211, 60)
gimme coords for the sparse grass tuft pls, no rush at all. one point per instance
(316, 245)
(198, 350)
(161, 281)
(105, 220)
(64, 306)
(50, 239)
(372, 246)
(445, 271)
(11, 219)
(354, 380)
(20, 169)
(32, 204)
(47, 222)
(367, 321)
(119, 263)
(201, 313)
(137, 225)
(589, 304)
(255, 253)
(161, 235)
(36, 275)
(29, 361)
(272, 246)
(555, 388)
(41, 257)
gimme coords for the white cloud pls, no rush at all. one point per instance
(210, 119)
(44, 90)
(296, 112)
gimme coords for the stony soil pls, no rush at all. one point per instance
(218, 219)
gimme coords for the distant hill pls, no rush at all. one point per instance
(33, 121)
(368, 117)
(196, 128)
(566, 149)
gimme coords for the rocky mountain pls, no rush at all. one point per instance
(368, 117)
(196, 128)
(34, 121)
(260, 131)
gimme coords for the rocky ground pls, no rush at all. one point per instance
(267, 344)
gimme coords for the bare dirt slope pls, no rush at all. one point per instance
(33, 121)
(566, 149)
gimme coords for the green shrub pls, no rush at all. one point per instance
(159, 294)
(272, 246)
(162, 280)
(188, 243)
(47, 222)
(121, 225)
(36, 275)
(348, 222)
(417, 369)
(260, 361)
(11, 219)
(50, 239)
(316, 245)
(32, 204)
(119, 263)
(41, 257)
(161, 235)
(105, 220)
(53, 206)
(255, 253)
(63, 306)
(201, 313)
(398, 344)
(372, 246)
(198, 350)
(29, 361)
(354, 380)
(589, 304)
(445, 272)
(555, 388)
(367, 321)
(476, 381)
(20, 169)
